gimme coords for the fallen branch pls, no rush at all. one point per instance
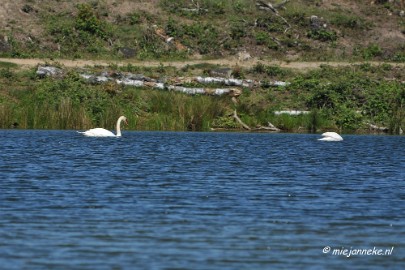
(236, 117)
(269, 127)
(276, 41)
(281, 5)
(377, 128)
(169, 40)
(269, 7)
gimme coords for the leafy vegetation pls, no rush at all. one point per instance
(345, 99)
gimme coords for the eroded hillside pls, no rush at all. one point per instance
(169, 29)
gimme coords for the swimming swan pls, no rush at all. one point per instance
(101, 132)
(331, 137)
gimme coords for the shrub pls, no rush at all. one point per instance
(322, 97)
(6, 73)
(322, 35)
(134, 18)
(347, 118)
(238, 29)
(348, 21)
(271, 24)
(261, 38)
(373, 50)
(87, 21)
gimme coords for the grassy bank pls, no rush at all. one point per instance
(346, 99)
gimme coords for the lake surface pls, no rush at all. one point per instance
(168, 200)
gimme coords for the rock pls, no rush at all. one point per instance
(315, 22)
(45, 71)
(244, 56)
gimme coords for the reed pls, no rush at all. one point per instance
(316, 120)
(6, 116)
(175, 111)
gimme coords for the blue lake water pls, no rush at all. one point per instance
(173, 200)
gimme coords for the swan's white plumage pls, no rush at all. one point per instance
(101, 132)
(331, 137)
(98, 132)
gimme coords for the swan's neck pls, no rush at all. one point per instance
(119, 127)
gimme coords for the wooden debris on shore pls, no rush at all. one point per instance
(178, 84)
(377, 128)
(291, 112)
(139, 80)
(169, 40)
(236, 117)
(269, 127)
(226, 81)
(233, 92)
(48, 71)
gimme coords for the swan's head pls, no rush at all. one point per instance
(124, 119)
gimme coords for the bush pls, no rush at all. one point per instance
(261, 38)
(6, 73)
(322, 97)
(322, 35)
(238, 29)
(87, 21)
(372, 51)
(347, 118)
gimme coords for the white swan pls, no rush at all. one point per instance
(331, 137)
(101, 132)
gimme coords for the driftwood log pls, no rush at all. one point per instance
(186, 90)
(269, 127)
(176, 84)
(377, 128)
(226, 81)
(236, 117)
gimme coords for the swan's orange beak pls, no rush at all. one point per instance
(126, 122)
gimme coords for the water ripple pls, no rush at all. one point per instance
(163, 200)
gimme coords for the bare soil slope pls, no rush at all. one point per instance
(363, 28)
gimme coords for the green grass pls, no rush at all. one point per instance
(335, 96)
(7, 65)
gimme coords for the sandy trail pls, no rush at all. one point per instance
(179, 64)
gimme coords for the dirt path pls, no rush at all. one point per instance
(178, 64)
